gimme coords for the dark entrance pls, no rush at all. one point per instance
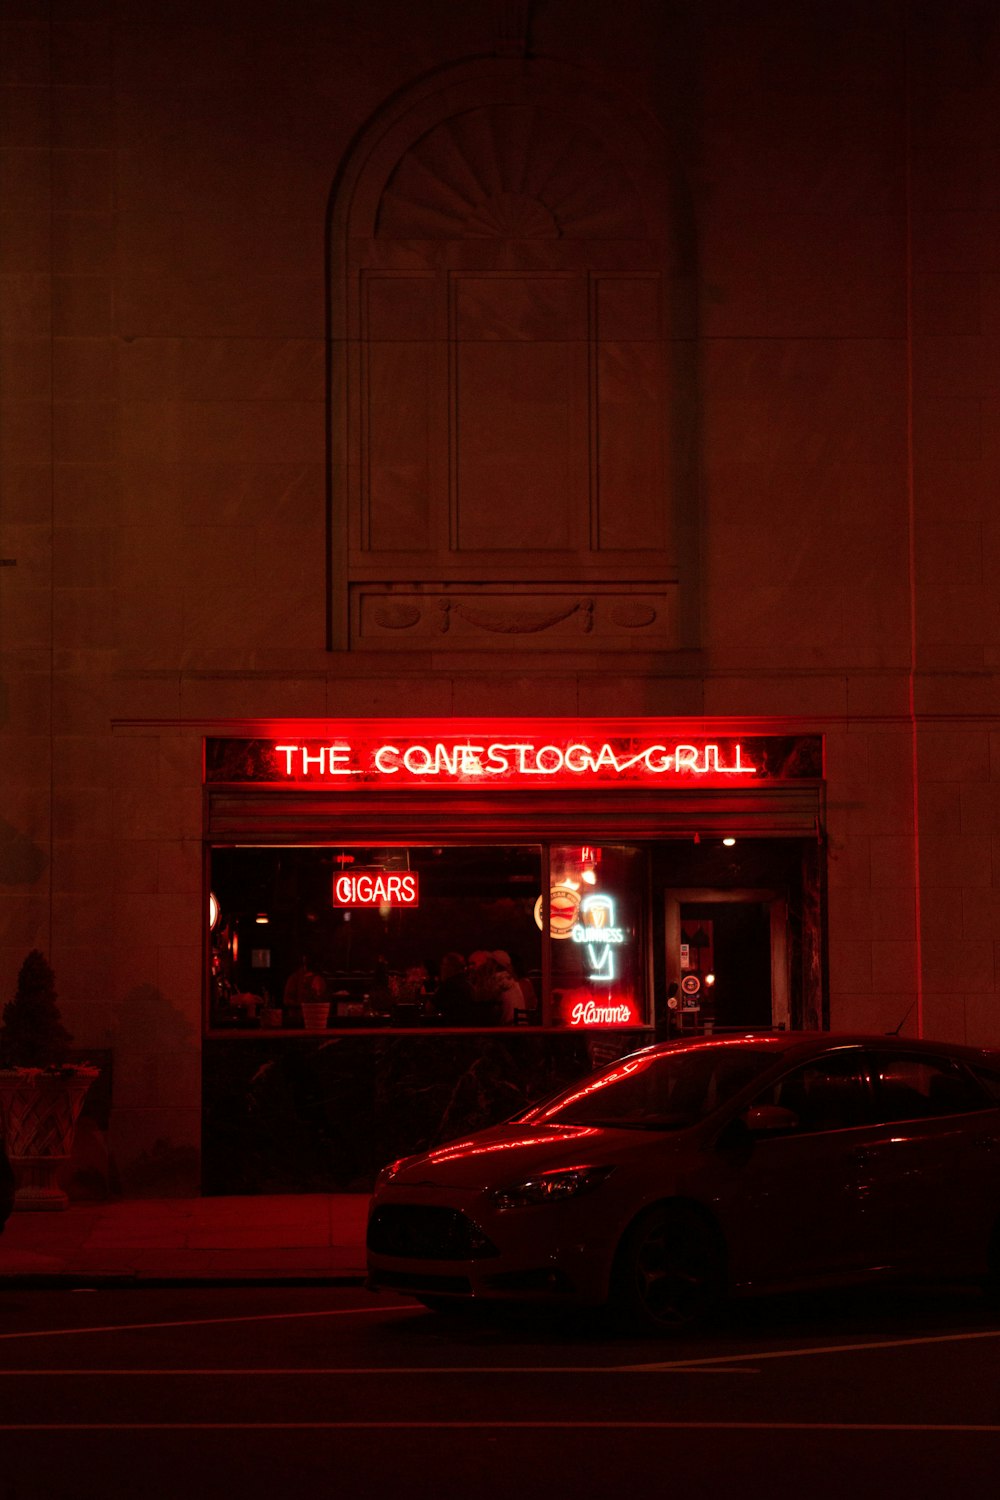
(758, 907)
(727, 946)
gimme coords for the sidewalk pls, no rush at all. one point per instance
(309, 1237)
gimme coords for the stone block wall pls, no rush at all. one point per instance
(167, 174)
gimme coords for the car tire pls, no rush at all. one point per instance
(444, 1305)
(991, 1281)
(669, 1272)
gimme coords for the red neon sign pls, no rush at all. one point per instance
(376, 888)
(500, 760)
(502, 754)
(581, 1009)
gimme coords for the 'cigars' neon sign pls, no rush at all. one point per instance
(376, 888)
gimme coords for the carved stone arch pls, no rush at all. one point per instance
(503, 322)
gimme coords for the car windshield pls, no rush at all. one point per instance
(661, 1091)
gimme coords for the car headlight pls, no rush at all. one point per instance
(549, 1187)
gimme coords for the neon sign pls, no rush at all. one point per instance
(589, 1013)
(497, 754)
(500, 759)
(376, 888)
(535, 754)
(599, 935)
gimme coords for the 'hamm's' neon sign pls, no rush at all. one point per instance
(589, 1013)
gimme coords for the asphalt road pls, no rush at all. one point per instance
(272, 1391)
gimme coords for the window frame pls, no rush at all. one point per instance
(799, 1131)
(546, 1024)
(946, 1064)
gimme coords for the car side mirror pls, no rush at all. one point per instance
(769, 1119)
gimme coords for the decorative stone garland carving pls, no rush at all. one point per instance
(527, 622)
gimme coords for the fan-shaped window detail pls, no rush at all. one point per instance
(509, 173)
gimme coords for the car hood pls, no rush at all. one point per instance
(491, 1158)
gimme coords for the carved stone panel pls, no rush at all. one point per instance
(539, 617)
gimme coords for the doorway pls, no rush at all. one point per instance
(726, 960)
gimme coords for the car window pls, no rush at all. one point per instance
(829, 1093)
(920, 1088)
(658, 1091)
(990, 1081)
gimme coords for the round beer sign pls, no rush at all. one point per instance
(564, 904)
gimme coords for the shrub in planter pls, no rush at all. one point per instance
(41, 1094)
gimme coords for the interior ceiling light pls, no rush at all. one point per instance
(213, 911)
(262, 919)
(729, 843)
(589, 875)
(709, 979)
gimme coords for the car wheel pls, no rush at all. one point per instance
(669, 1271)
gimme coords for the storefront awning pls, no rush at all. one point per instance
(792, 809)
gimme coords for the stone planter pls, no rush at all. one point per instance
(39, 1109)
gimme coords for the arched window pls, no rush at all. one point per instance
(507, 458)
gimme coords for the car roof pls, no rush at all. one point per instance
(802, 1043)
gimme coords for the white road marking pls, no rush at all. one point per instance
(964, 1428)
(334, 1312)
(242, 1372)
(760, 1354)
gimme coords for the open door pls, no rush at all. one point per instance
(727, 960)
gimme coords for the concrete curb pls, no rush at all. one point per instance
(111, 1280)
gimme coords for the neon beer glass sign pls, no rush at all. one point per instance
(599, 935)
(599, 938)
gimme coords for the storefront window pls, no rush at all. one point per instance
(596, 939)
(352, 937)
(391, 937)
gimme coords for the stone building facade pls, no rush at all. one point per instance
(493, 361)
